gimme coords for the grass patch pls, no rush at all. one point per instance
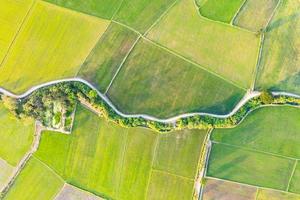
(179, 152)
(223, 11)
(141, 14)
(57, 42)
(249, 167)
(255, 14)
(217, 189)
(280, 64)
(156, 82)
(16, 136)
(106, 57)
(164, 186)
(100, 8)
(275, 195)
(12, 14)
(36, 181)
(265, 130)
(223, 49)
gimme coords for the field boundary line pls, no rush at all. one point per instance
(292, 175)
(238, 12)
(152, 161)
(261, 47)
(28, 13)
(249, 185)
(160, 17)
(121, 64)
(255, 150)
(117, 10)
(172, 174)
(257, 193)
(182, 57)
(220, 22)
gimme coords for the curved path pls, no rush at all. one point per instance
(248, 96)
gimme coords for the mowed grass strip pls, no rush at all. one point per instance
(279, 68)
(106, 57)
(6, 171)
(52, 44)
(16, 136)
(225, 50)
(156, 82)
(255, 14)
(223, 11)
(178, 152)
(141, 14)
(36, 181)
(250, 167)
(124, 156)
(270, 129)
(12, 14)
(164, 186)
(100, 8)
(217, 189)
(275, 195)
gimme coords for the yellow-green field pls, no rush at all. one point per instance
(255, 14)
(279, 68)
(5, 171)
(12, 14)
(52, 44)
(227, 51)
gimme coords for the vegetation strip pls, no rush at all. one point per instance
(70, 91)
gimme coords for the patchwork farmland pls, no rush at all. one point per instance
(156, 100)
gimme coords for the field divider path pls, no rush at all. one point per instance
(248, 96)
(292, 174)
(238, 12)
(24, 160)
(18, 31)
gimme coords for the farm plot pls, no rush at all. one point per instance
(223, 11)
(225, 50)
(36, 181)
(52, 44)
(275, 195)
(100, 8)
(164, 186)
(12, 14)
(265, 130)
(124, 157)
(156, 82)
(279, 68)
(141, 14)
(295, 184)
(16, 136)
(217, 189)
(106, 57)
(70, 192)
(5, 171)
(255, 14)
(251, 167)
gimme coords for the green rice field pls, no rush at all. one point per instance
(73, 157)
(12, 14)
(279, 68)
(103, 62)
(156, 82)
(36, 181)
(223, 11)
(227, 51)
(59, 40)
(16, 137)
(255, 14)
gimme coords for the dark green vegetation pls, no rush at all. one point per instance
(122, 169)
(156, 82)
(100, 8)
(141, 14)
(106, 57)
(279, 68)
(263, 150)
(220, 10)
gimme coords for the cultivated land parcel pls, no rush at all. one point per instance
(161, 58)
